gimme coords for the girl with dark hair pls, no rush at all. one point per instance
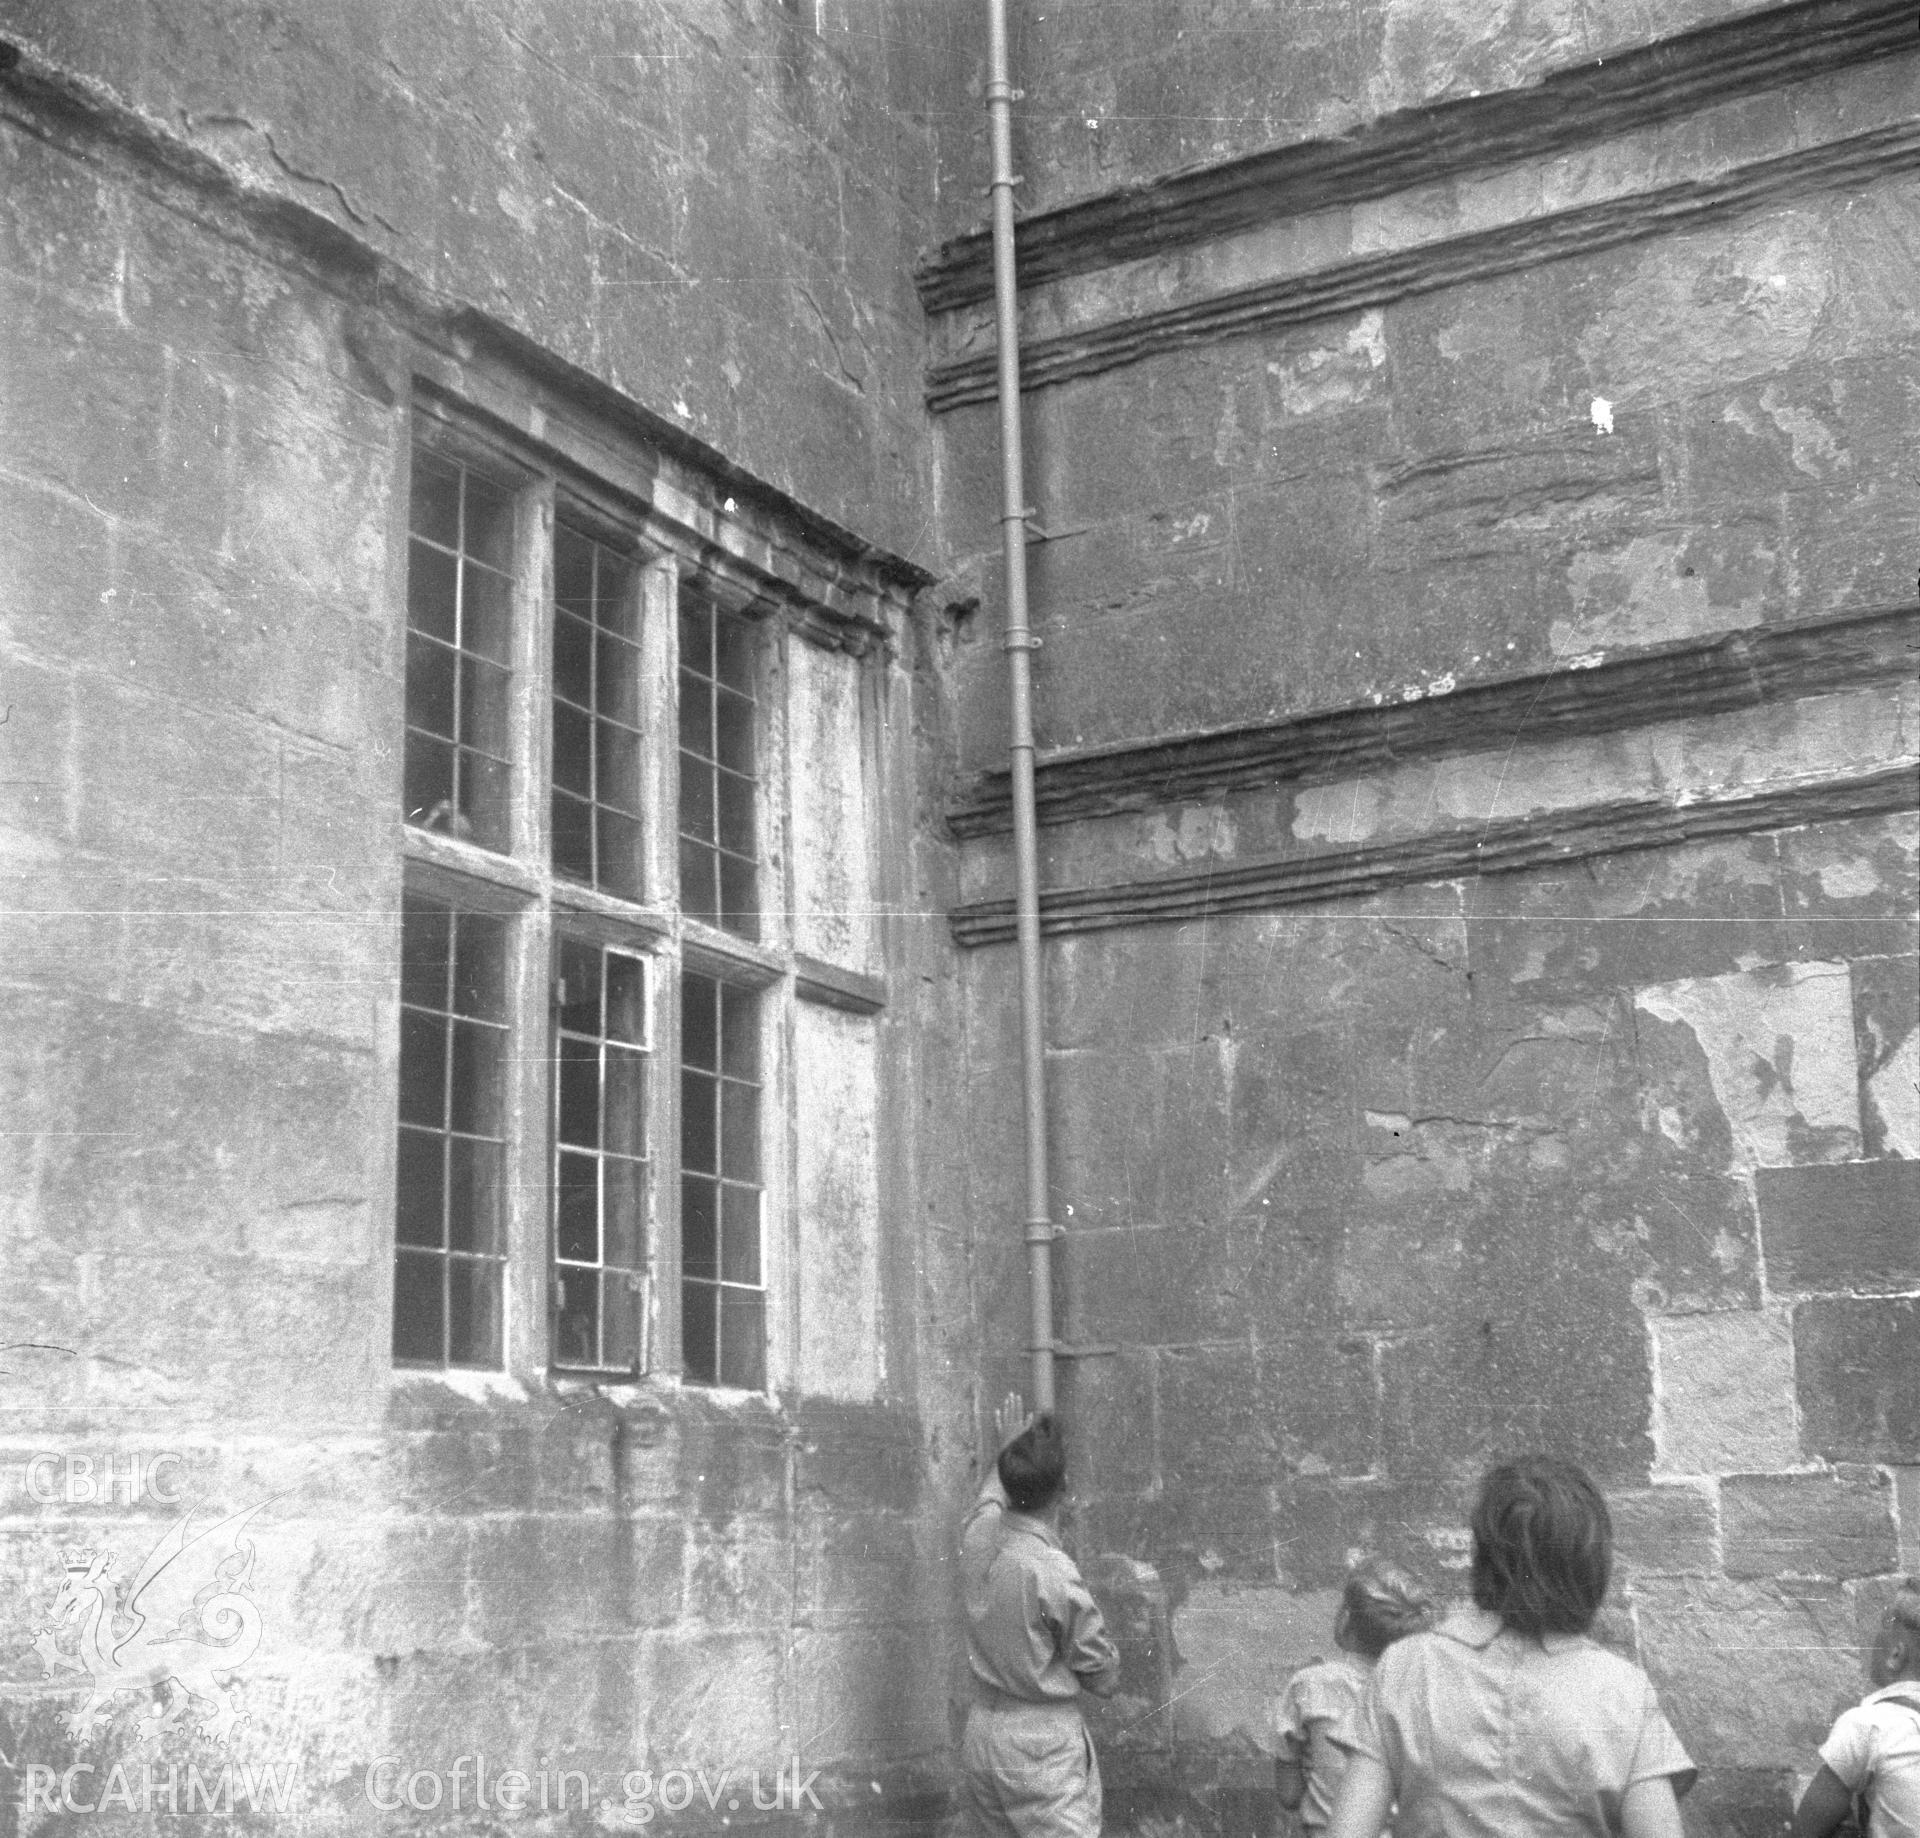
(1507, 1718)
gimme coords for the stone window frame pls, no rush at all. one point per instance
(674, 534)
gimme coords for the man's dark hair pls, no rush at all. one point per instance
(1542, 1546)
(1033, 1466)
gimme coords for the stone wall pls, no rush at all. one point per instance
(712, 207)
(1478, 842)
(1117, 95)
(1475, 572)
(229, 243)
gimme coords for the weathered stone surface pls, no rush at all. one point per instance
(1238, 1646)
(1906, 1485)
(711, 1694)
(232, 1121)
(1323, 1391)
(837, 1176)
(866, 1572)
(1838, 1525)
(1134, 1604)
(1691, 680)
(1665, 1531)
(1724, 1399)
(414, 1594)
(575, 1706)
(1199, 85)
(1778, 1046)
(858, 1457)
(1736, 1802)
(1149, 1131)
(1748, 1671)
(1212, 1429)
(1114, 1412)
(742, 1577)
(1847, 1226)
(490, 194)
(1309, 877)
(833, 834)
(729, 1461)
(1526, 1366)
(1857, 1378)
(879, 1683)
(1226, 1528)
(1854, 890)
(1886, 1014)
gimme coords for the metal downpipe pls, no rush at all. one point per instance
(1020, 645)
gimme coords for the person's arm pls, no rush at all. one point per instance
(1824, 1804)
(1366, 1797)
(1091, 1655)
(1649, 1810)
(1293, 1740)
(1079, 1629)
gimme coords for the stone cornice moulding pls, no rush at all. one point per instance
(1553, 839)
(1362, 282)
(1690, 677)
(1564, 110)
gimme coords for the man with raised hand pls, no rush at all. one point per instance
(1035, 1642)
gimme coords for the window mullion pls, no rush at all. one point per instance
(528, 1153)
(660, 761)
(773, 796)
(532, 722)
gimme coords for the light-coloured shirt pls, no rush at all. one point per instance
(1316, 1719)
(1034, 1631)
(1486, 1732)
(1874, 1749)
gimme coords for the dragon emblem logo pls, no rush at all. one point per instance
(185, 1624)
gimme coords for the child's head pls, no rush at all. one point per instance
(1033, 1466)
(1542, 1546)
(1380, 1604)
(1896, 1648)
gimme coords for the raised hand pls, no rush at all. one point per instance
(1010, 1420)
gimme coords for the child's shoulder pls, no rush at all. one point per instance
(1895, 1706)
(1888, 1719)
(1324, 1691)
(1328, 1680)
